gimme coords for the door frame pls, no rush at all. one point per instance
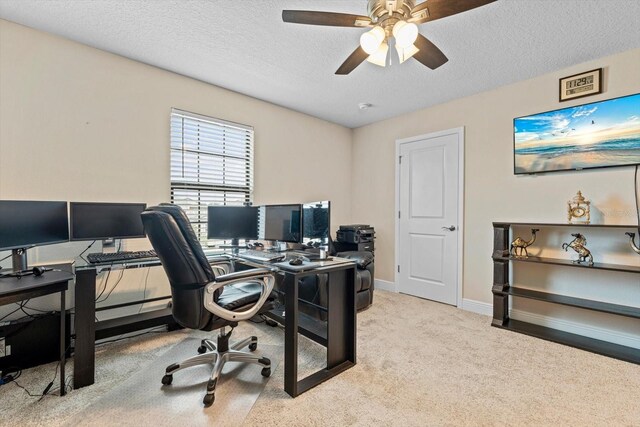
(459, 131)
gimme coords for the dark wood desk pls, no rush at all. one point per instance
(337, 334)
(87, 330)
(13, 290)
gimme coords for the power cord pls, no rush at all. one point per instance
(144, 292)
(156, 330)
(105, 282)
(635, 181)
(14, 374)
(112, 289)
(83, 252)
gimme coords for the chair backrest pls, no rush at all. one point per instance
(183, 260)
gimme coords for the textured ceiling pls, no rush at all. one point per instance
(243, 45)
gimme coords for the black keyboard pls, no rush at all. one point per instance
(120, 256)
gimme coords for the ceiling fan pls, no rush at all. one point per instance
(388, 19)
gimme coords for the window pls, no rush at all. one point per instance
(211, 164)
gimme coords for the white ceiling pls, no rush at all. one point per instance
(243, 45)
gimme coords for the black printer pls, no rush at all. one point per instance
(356, 233)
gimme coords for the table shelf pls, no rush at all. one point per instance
(557, 224)
(627, 354)
(502, 291)
(570, 263)
(604, 307)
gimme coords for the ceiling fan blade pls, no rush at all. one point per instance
(325, 18)
(429, 54)
(430, 10)
(356, 58)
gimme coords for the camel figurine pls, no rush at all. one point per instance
(520, 244)
(632, 237)
(577, 245)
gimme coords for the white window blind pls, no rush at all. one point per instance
(211, 164)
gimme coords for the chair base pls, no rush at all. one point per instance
(218, 356)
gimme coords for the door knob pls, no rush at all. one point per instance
(450, 228)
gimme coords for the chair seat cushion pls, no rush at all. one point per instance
(239, 295)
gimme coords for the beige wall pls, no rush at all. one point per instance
(492, 192)
(77, 123)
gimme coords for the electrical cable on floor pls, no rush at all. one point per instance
(152, 331)
(17, 373)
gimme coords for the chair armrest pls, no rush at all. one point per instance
(362, 258)
(262, 276)
(254, 272)
(220, 265)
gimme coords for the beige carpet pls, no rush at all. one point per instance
(419, 363)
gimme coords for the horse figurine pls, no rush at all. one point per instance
(632, 237)
(520, 244)
(577, 245)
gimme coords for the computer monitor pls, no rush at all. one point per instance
(232, 222)
(24, 224)
(283, 223)
(101, 221)
(315, 221)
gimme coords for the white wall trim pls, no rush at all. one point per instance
(461, 185)
(385, 285)
(603, 334)
(477, 307)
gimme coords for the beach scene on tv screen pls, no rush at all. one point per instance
(599, 134)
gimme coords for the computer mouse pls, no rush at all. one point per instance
(296, 261)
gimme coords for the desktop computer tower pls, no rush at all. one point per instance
(30, 342)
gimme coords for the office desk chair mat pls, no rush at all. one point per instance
(142, 400)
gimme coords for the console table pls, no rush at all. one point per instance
(502, 291)
(13, 290)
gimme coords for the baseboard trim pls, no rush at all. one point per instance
(385, 285)
(477, 307)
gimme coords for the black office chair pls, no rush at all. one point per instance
(202, 300)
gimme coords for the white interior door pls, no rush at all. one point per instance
(428, 217)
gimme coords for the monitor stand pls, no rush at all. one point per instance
(235, 246)
(19, 260)
(277, 246)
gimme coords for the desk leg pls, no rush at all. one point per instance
(63, 348)
(341, 323)
(85, 327)
(291, 335)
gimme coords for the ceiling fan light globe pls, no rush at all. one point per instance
(379, 57)
(405, 53)
(372, 40)
(405, 33)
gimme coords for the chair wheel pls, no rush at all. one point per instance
(253, 346)
(202, 349)
(266, 372)
(167, 379)
(208, 399)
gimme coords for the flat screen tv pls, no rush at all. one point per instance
(597, 135)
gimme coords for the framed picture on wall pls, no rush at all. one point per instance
(580, 85)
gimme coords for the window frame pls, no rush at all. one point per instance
(221, 175)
